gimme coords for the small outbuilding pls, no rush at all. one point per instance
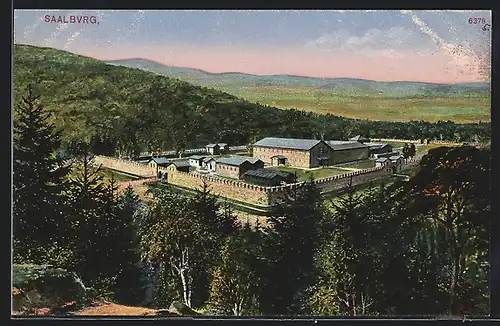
(268, 177)
(208, 163)
(182, 166)
(382, 161)
(360, 139)
(196, 161)
(217, 149)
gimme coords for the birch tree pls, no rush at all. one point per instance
(170, 236)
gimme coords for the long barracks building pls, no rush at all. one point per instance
(308, 153)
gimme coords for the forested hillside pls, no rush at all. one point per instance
(134, 110)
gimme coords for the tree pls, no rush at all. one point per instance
(216, 222)
(235, 279)
(293, 237)
(323, 301)
(101, 238)
(38, 182)
(171, 237)
(128, 283)
(345, 261)
(412, 150)
(452, 189)
(406, 151)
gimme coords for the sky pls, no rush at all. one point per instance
(393, 45)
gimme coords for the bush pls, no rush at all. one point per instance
(37, 286)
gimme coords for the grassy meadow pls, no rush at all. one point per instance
(371, 106)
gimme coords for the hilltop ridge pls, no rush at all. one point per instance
(341, 85)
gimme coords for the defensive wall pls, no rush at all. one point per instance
(232, 189)
(417, 141)
(239, 190)
(266, 196)
(134, 168)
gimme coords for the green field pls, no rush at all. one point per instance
(304, 175)
(432, 109)
(108, 174)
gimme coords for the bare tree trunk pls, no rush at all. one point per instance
(183, 271)
(184, 288)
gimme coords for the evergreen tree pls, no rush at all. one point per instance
(406, 151)
(100, 240)
(344, 261)
(129, 285)
(412, 150)
(38, 183)
(217, 222)
(293, 237)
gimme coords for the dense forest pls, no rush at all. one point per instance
(409, 248)
(129, 110)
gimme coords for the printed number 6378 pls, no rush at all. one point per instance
(477, 20)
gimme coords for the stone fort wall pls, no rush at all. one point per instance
(269, 195)
(228, 188)
(138, 169)
(238, 190)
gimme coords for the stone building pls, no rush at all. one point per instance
(196, 161)
(347, 151)
(386, 154)
(159, 163)
(235, 167)
(268, 177)
(208, 163)
(303, 153)
(379, 148)
(308, 153)
(182, 166)
(360, 139)
(216, 149)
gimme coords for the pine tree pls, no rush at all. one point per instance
(128, 283)
(344, 260)
(217, 222)
(38, 182)
(100, 239)
(293, 237)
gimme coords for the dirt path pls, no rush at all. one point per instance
(113, 309)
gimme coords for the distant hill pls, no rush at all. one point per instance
(132, 109)
(336, 86)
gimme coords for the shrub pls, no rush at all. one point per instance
(37, 286)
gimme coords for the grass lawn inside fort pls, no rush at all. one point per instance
(303, 175)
